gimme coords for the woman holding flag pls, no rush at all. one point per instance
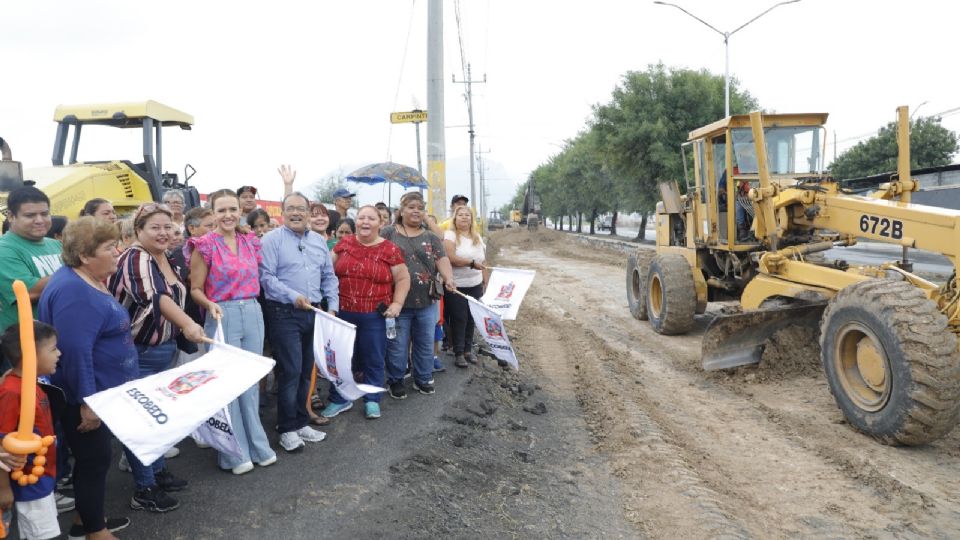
(373, 286)
(97, 354)
(147, 283)
(225, 281)
(466, 251)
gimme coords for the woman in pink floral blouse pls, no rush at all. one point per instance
(225, 281)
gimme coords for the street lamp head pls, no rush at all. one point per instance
(726, 42)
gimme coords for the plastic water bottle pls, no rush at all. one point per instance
(391, 328)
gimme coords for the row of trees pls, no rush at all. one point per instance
(632, 143)
(629, 145)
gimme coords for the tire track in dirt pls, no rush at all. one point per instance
(669, 496)
(779, 459)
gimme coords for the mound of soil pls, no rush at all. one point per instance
(790, 353)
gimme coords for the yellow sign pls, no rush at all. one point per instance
(409, 116)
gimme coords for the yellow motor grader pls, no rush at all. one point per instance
(888, 337)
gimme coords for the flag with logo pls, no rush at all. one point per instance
(506, 289)
(151, 414)
(490, 325)
(333, 352)
(217, 432)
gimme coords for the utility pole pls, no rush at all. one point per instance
(436, 149)
(483, 185)
(469, 82)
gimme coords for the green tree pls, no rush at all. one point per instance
(649, 116)
(931, 145)
(323, 189)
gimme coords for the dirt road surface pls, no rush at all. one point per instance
(757, 452)
(608, 431)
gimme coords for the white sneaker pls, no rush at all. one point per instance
(291, 441)
(64, 503)
(267, 462)
(172, 452)
(243, 468)
(124, 465)
(201, 444)
(309, 434)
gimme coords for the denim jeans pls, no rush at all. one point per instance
(291, 337)
(416, 325)
(369, 351)
(153, 360)
(243, 328)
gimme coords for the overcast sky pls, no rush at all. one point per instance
(313, 83)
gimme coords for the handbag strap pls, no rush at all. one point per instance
(416, 253)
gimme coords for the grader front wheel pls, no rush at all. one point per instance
(891, 362)
(671, 294)
(636, 284)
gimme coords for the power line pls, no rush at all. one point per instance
(944, 114)
(403, 63)
(463, 57)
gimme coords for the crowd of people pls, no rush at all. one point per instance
(117, 299)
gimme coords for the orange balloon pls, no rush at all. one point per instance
(23, 480)
(37, 471)
(40, 460)
(24, 441)
(15, 475)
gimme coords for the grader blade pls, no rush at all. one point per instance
(737, 340)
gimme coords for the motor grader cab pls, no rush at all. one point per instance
(887, 336)
(70, 183)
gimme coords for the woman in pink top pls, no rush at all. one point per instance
(225, 281)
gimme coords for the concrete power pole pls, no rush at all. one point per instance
(469, 82)
(483, 185)
(436, 149)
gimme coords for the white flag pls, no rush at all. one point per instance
(217, 432)
(333, 352)
(151, 414)
(490, 326)
(506, 289)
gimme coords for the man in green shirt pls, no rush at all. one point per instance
(25, 252)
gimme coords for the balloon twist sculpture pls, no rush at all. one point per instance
(24, 441)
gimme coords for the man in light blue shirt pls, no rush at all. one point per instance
(296, 273)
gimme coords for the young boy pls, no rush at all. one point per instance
(35, 503)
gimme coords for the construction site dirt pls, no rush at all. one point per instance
(608, 430)
(758, 451)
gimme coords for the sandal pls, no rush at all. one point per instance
(468, 356)
(319, 420)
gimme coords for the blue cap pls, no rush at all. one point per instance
(343, 192)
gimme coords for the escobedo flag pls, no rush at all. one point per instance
(490, 325)
(506, 289)
(217, 432)
(151, 414)
(333, 352)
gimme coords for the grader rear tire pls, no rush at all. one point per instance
(671, 295)
(636, 286)
(891, 361)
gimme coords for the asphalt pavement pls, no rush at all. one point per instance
(289, 499)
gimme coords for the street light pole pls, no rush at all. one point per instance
(726, 44)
